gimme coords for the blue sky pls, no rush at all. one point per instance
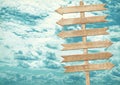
(30, 48)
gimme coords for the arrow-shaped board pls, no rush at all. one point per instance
(89, 67)
(71, 21)
(96, 44)
(89, 32)
(78, 57)
(85, 8)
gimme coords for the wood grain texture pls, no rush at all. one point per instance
(89, 67)
(84, 8)
(78, 57)
(83, 45)
(89, 32)
(71, 21)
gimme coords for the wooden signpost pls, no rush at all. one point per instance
(84, 44)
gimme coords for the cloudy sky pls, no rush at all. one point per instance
(30, 48)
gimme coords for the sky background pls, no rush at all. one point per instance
(30, 48)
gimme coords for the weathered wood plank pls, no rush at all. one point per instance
(89, 67)
(89, 32)
(84, 8)
(83, 45)
(78, 57)
(71, 21)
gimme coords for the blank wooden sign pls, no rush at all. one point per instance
(89, 32)
(95, 44)
(78, 57)
(89, 67)
(72, 21)
(85, 8)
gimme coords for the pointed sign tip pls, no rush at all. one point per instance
(61, 35)
(65, 67)
(60, 22)
(105, 16)
(106, 28)
(66, 71)
(111, 65)
(62, 61)
(105, 8)
(59, 10)
(58, 35)
(104, 4)
(110, 54)
(63, 49)
(63, 45)
(109, 43)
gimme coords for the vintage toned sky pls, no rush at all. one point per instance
(30, 48)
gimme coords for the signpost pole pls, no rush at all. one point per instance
(84, 39)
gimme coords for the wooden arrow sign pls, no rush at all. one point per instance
(71, 21)
(82, 45)
(89, 67)
(89, 32)
(78, 57)
(85, 8)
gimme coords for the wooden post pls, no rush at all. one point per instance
(84, 39)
